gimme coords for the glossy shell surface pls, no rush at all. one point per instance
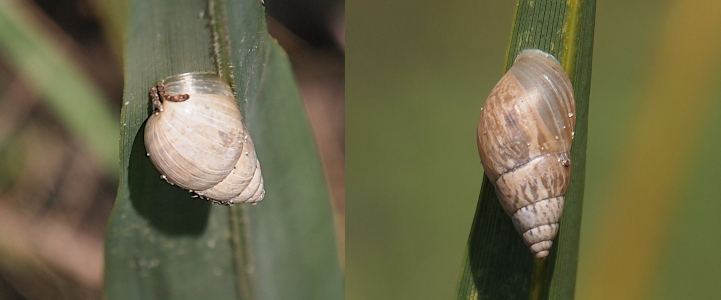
(201, 143)
(524, 137)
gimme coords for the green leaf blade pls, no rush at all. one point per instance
(498, 264)
(292, 234)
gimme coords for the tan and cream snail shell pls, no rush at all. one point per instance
(524, 137)
(197, 140)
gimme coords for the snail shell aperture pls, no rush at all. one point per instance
(197, 140)
(524, 137)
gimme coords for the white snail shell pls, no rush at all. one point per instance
(197, 140)
(524, 138)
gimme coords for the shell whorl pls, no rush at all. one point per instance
(524, 137)
(201, 143)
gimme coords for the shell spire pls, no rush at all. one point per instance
(524, 137)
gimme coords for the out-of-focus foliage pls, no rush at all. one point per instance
(59, 94)
(71, 95)
(416, 84)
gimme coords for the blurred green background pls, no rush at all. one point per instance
(418, 74)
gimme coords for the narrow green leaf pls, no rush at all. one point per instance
(161, 243)
(292, 235)
(498, 264)
(292, 231)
